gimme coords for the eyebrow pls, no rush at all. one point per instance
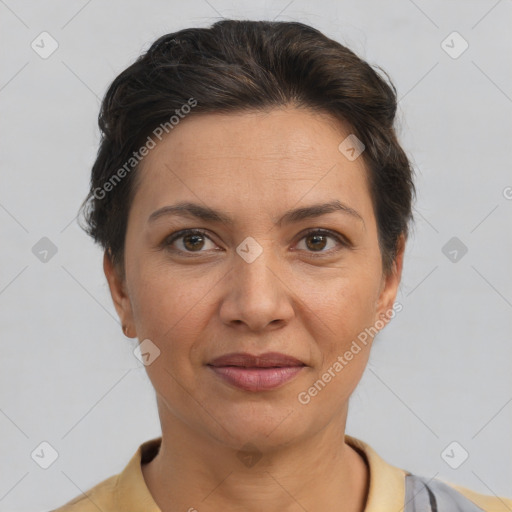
(194, 210)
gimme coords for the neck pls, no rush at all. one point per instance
(320, 472)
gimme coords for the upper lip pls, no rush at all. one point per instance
(266, 360)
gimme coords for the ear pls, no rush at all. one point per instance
(390, 284)
(118, 292)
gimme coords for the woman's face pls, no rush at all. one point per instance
(259, 283)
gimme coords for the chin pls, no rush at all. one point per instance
(264, 424)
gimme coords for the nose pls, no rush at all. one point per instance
(257, 295)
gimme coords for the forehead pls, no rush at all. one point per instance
(261, 160)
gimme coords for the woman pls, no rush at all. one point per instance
(253, 203)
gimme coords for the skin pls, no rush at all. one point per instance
(302, 297)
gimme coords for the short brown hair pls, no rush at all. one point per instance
(244, 65)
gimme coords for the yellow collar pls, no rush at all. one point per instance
(386, 491)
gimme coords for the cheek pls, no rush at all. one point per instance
(345, 307)
(173, 314)
(344, 343)
(165, 305)
(345, 317)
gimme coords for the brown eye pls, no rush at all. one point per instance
(191, 240)
(317, 241)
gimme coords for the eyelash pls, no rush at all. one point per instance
(181, 234)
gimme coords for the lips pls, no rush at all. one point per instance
(267, 360)
(264, 372)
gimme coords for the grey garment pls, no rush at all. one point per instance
(428, 495)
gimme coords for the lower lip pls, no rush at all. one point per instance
(256, 379)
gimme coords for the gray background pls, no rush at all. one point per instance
(440, 372)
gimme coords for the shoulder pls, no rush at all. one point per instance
(100, 497)
(486, 502)
(126, 490)
(424, 493)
